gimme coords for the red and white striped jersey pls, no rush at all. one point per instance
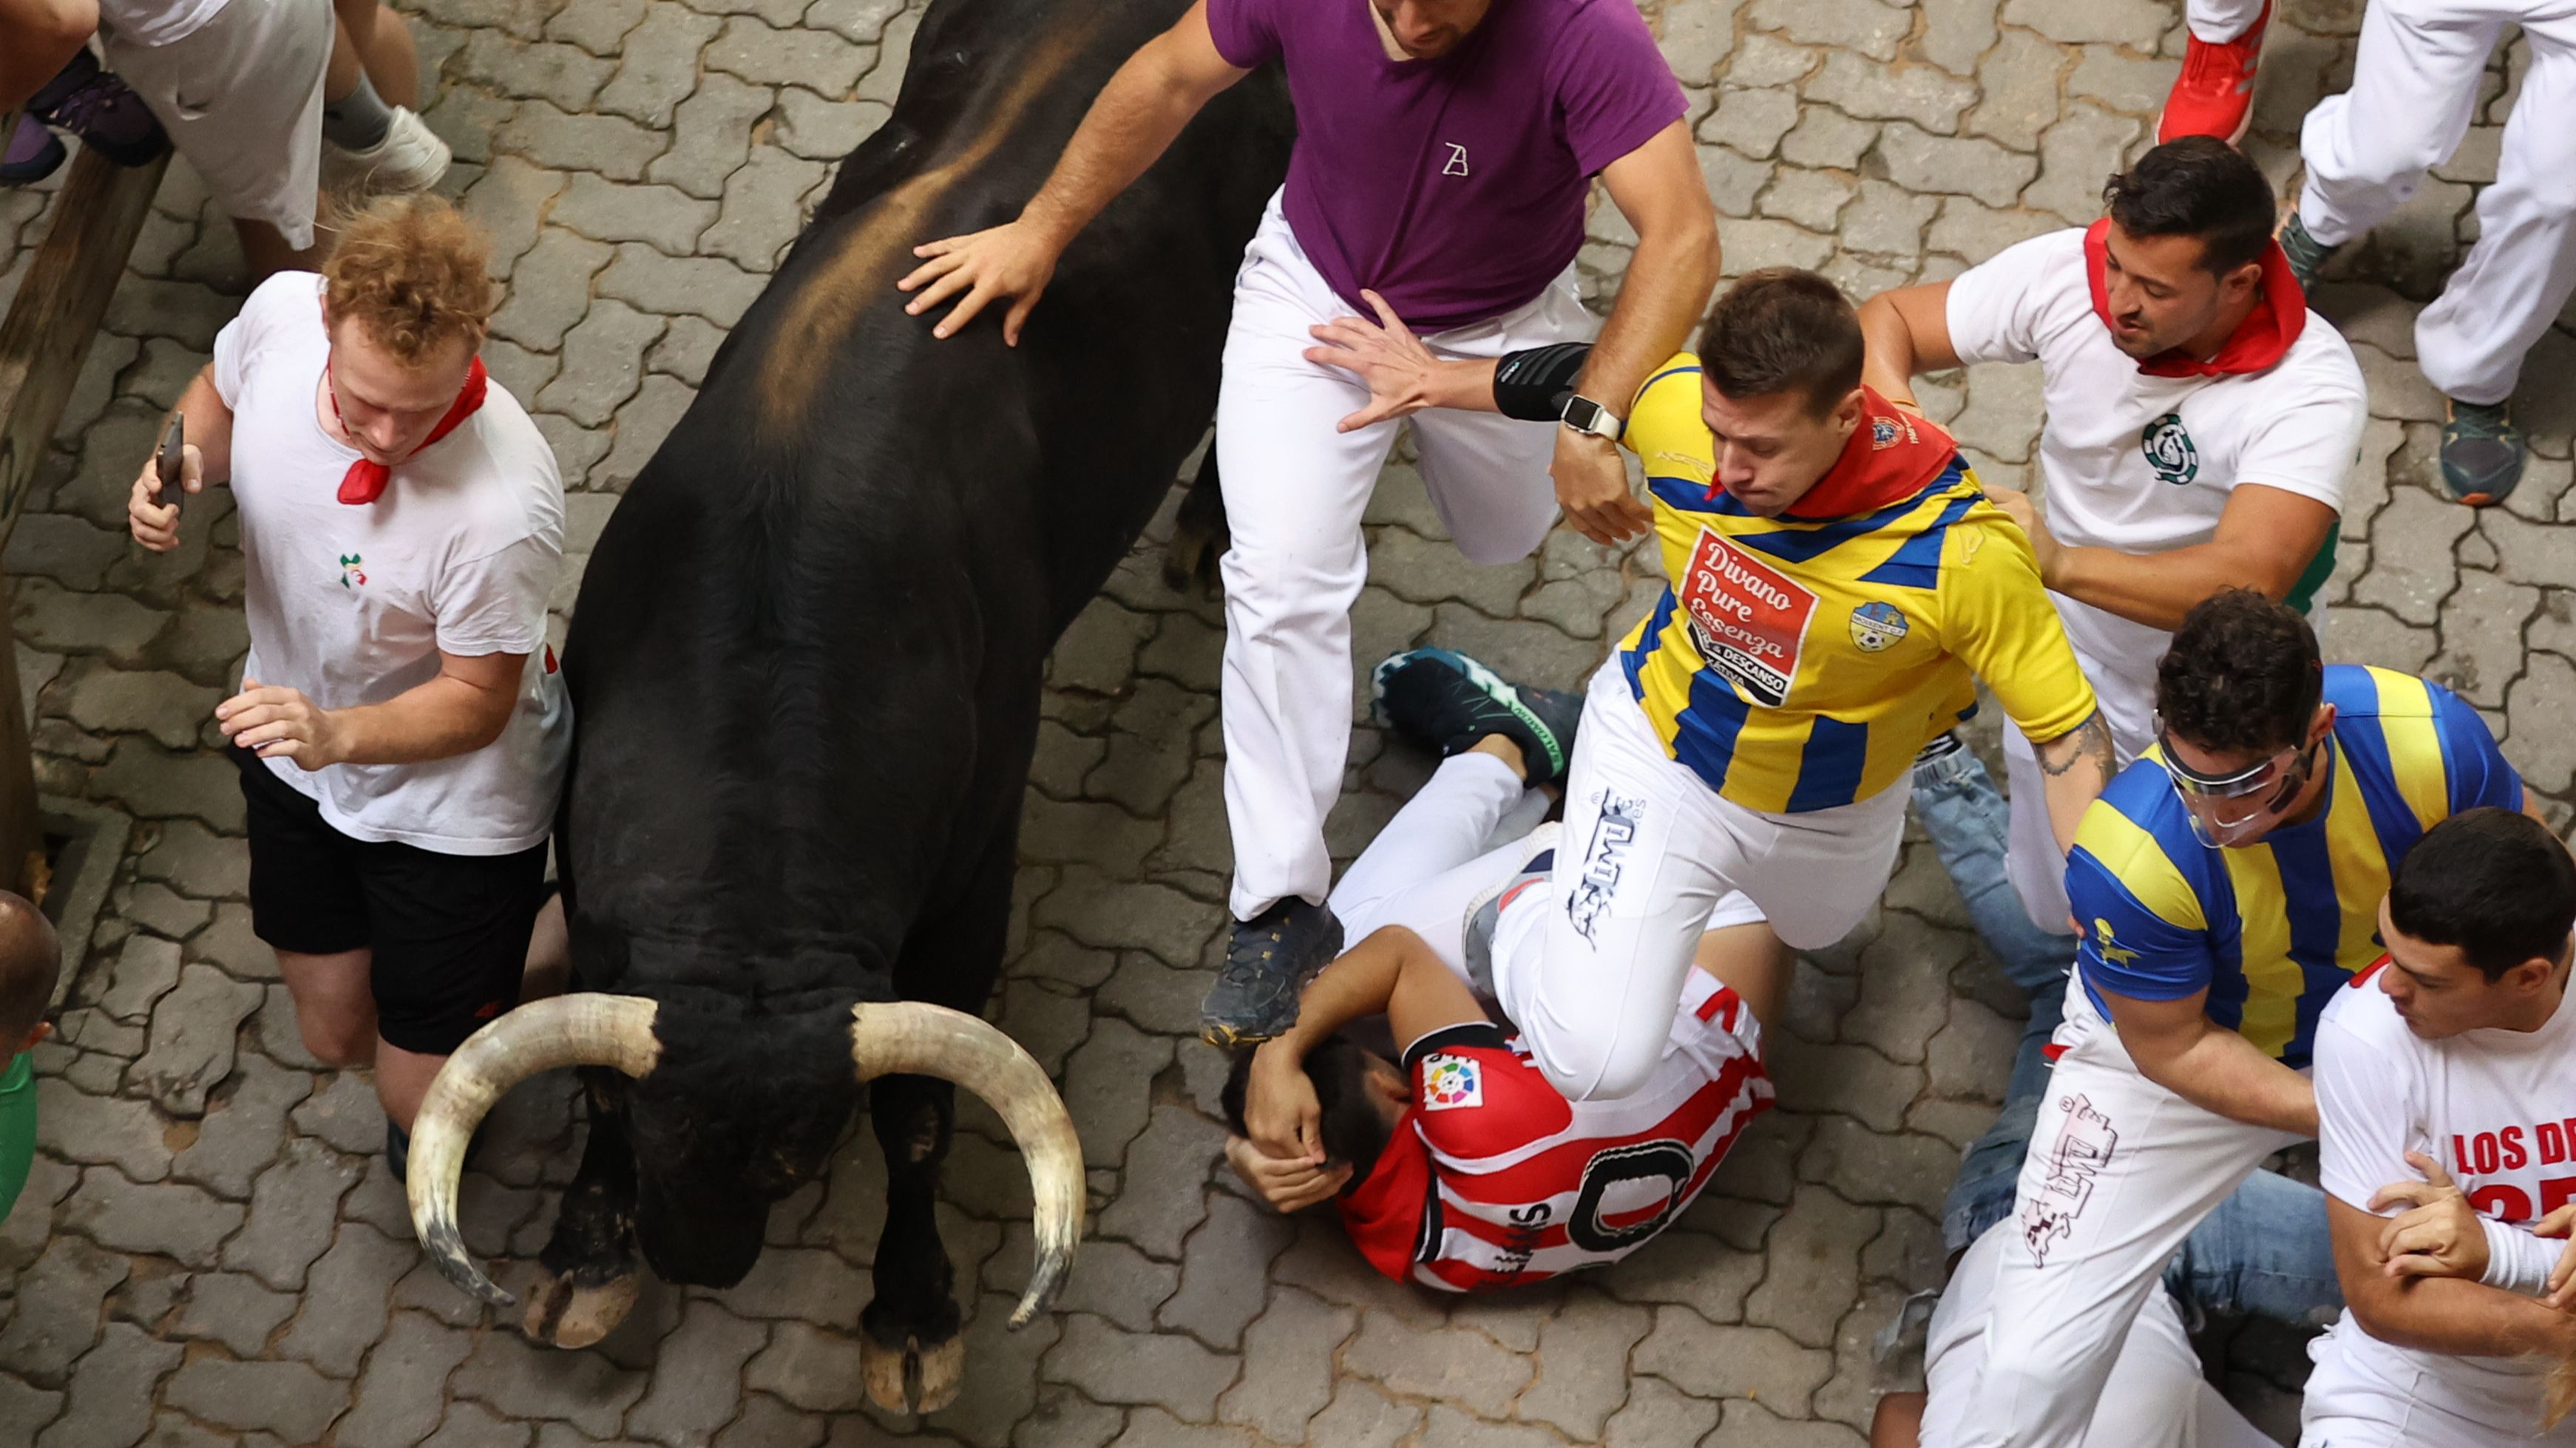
(1493, 1178)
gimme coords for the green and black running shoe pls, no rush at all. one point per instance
(2481, 452)
(2307, 255)
(1445, 701)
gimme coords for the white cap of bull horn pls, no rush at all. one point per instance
(581, 1029)
(920, 1039)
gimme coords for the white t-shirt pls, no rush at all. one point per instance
(156, 22)
(353, 603)
(2498, 1110)
(2144, 464)
(2155, 1395)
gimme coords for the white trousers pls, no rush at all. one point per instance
(2120, 1170)
(2155, 1397)
(2220, 21)
(1458, 837)
(2414, 86)
(2350, 1405)
(1648, 854)
(241, 98)
(1295, 491)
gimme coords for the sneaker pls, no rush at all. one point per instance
(32, 155)
(1485, 908)
(1268, 961)
(2214, 95)
(2481, 452)
(1445, 701)
(102, 110)
(2308, 256)
(410, 158)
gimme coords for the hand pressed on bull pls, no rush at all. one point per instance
(1445, 150)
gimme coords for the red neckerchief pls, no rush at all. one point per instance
(1890, 457)
(2262, 339)
(366, 479)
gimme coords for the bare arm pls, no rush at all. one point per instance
(464, 709)
(2074, 767)
(2266, 539)
(1659, 189)
(2177, 1046)
(1907, 332)
(1139, 112)
(209, 459)
(2447, 1315)
(37, 38)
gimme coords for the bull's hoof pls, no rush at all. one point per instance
(889, 1374)
(566, 1312)
(1199, 538)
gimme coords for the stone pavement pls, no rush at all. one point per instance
(211, 1251)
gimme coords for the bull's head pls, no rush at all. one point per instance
(712, 1229)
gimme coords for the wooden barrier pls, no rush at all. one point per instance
(43, 343)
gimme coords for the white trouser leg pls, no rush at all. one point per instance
(2509, 290)
(2217, 22)
(1486, 473)
(1442, 828)
(2120, 1170)
(1648, 852)
(2417, 62)
(1295, 491)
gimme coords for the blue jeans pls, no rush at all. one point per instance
(2265, 1249)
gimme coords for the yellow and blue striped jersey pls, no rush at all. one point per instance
(1798, 663)
(2270, 929)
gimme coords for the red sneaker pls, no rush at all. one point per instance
(2214, 95)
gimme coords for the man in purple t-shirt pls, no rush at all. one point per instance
(1444, 152)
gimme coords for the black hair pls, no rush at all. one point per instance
(2494, 882)
(1352, 1129)
(1781, 329)
(2197, 186)
(2242, 675)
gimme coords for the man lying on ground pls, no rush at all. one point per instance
(1530, 1184)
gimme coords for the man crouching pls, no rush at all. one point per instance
(1530, 1184)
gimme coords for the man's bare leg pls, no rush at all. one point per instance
(335, 1006)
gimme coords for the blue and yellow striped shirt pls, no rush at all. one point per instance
(1797, 664)
(2270, 929)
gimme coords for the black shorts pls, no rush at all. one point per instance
(449, 932)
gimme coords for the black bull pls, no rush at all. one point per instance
(805, 666)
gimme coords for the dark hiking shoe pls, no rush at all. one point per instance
(2308, 256)
(1268, 961)
(2481, 452)
(1445, 701)
(99, 108)
(32, 155)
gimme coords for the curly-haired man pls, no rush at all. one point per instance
(400, 730)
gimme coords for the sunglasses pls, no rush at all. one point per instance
(2277, 780)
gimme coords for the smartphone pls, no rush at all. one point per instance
(173, 464)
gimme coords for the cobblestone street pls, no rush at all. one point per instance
(212, 1251)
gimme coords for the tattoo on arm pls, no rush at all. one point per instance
(2088, 740)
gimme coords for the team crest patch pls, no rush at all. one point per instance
(1449, 1082)
(1875, 627)
(1882, 432)
(2169, 450)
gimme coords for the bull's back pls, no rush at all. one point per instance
(806, 651)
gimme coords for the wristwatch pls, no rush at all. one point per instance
(1587, 416)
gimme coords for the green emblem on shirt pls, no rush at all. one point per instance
(2169, 450)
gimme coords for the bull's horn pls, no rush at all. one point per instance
(920, 1039)
(582, 1029)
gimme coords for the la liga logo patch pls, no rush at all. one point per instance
(1449, 1082)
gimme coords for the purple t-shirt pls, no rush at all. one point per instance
(1453, 187)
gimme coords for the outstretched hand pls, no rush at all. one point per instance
(1385, 354)
(1014, 260)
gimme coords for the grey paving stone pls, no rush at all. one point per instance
(241, 1133)
(170, 1219)
(193, 1029)
(603, 362)
(604, 210)
(822, 130)
(292, 1207)
(115, 1131)
(805, 1284)
(144, 971)
(401, 1395)
(599, 25)
(25, 1404)
(1863, 25)
(1163, 1369)
(344, 1114)
(659, 66)
(471, 1425)
(699, 1385)
(162, 785)
(1657, 1413)
(1233, 1247)
(1450, 1428)
(812, 1369)
(57, 1317)
(345, 1298)
(1969, 166)
(768, 1423)
(288, 1399)
(714, 129)
(1751, 120)
(234, 1310)
(703, 286)
(550, 289)
(1443, 1363)
(564, 141)
(110, 1399)
(519, 1379)
(764, 205)
(1823, 1234)
(1164, 1192)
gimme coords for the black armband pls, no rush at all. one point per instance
(1533, 385)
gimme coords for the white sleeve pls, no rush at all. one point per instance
(244, 337)
(2516, 1260)
(496, 604)
(2362, 1117)
(2308, 446)
(1994, 307)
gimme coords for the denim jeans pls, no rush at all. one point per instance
(2265, 1250)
